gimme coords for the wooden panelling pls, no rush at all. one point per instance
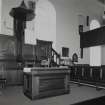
(79, 72)
(7, 46)
(45, 47)
(14, 77)
(11, 77)
(72, 73)
(87, 73)
(92, 38)
(96, 74)
(103, 74)
(28, 52)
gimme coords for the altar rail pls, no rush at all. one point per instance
(88, 75)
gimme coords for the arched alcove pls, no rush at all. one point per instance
(43, 27)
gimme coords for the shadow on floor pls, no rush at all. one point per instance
(95, 101)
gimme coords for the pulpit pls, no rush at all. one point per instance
(21, 14)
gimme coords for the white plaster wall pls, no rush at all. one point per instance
(86, 56)
(45, 21)
(95, 51)
(95, 56)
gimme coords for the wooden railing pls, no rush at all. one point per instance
(55, 58)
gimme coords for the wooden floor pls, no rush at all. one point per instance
(14, 96)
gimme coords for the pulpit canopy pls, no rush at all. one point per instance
(22, 12)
